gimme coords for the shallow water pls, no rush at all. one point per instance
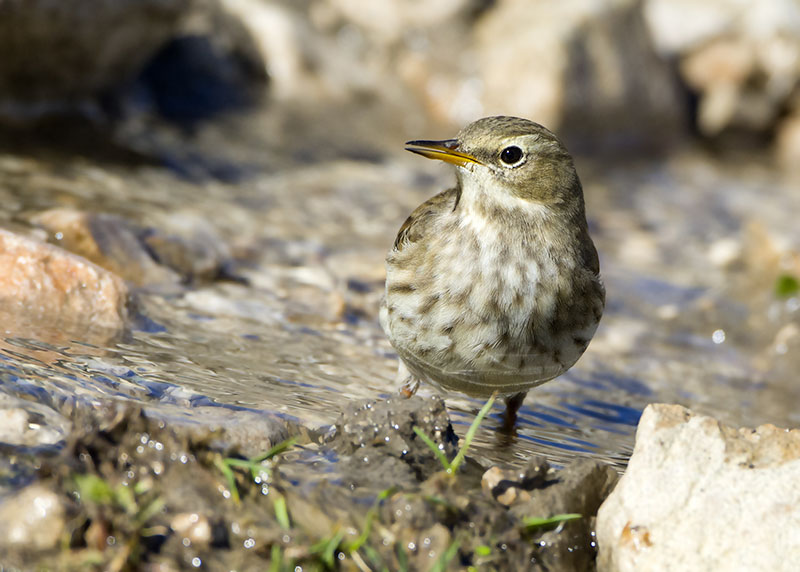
(301, 337)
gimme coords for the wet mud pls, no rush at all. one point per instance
(130, 492)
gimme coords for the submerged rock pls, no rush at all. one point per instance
(698, 495)
(108, 241)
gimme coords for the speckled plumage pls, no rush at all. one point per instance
(494, 285)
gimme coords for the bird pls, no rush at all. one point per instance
(494, 285)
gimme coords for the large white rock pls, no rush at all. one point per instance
(698, 495)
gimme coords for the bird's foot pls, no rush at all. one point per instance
(409, 388)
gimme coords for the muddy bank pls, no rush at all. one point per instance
(128, 491)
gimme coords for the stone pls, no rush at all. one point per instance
(282, 39)
(40, 283)
(193, 527)
(62, 50)
(249, 433)
(580, 488)
(510, 486)
(27, 424)
(32, 519)
(698, 495)
(679, 25)
(176, 248)
(787, 142)
(425, 547)
(187, 244)
(389, 20)
(742, 60)
(107, 240)
(306, 59)
(586, 70)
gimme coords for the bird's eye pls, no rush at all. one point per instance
(511, 155)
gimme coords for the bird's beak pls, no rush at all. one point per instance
(442, 150)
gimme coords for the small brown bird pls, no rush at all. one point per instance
(494, 284)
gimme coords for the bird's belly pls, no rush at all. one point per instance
(475, 333)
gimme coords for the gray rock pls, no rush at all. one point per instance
(787, 142)
(389, 20)
(578, 488)
(107, 240)
(698, 495)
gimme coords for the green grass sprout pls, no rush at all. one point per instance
(447, 556)
(532, 522)
(473, 428)
(327, 548)
(452, 466)
(433, 447)
(371, 514)
(281, 512)
(253, 464)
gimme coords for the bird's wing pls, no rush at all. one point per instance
(416, 225)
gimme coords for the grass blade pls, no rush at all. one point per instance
(281, 512)
(471, 434)
(433, 447)
(279, 448)
(533, 522)
(227, 472)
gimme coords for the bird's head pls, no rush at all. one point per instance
(512, 157)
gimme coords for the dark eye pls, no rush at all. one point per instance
(511, 155)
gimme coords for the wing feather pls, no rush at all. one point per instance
(417, 224)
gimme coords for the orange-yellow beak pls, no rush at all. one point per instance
(441, 150)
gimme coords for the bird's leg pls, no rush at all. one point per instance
(513, 403)
(408, 382)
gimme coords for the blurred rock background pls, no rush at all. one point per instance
(607, 75)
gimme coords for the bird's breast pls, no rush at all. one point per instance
(485, 302)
